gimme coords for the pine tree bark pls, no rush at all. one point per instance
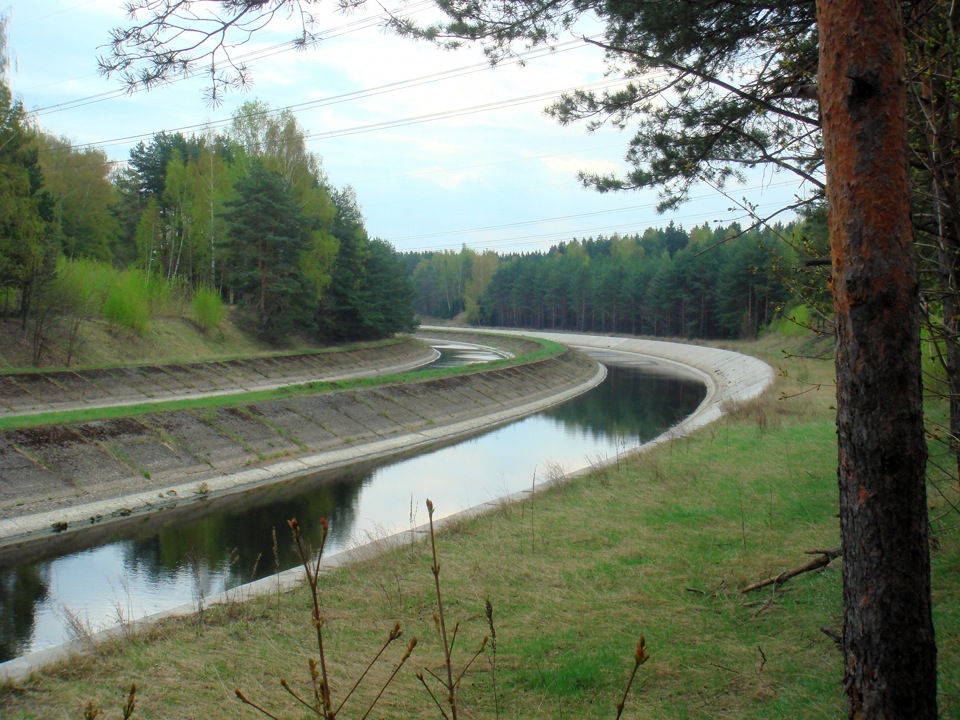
(890, 654)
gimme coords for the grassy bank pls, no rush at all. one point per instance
(658, 544)
(167, 340)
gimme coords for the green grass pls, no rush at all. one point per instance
(660, 548)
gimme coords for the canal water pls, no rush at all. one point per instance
(181, 556)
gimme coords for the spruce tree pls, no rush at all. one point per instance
(267, 234)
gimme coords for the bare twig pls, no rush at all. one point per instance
(639, 658)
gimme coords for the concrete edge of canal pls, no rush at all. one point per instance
(731, 378)
(193, 458)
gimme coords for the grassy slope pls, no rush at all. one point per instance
(168, 340)
(658, 547)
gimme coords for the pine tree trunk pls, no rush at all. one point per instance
(890, 655)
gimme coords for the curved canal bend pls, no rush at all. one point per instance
(188, 555)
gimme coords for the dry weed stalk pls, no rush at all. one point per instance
(449, 683)
(488, 607)
(320, 699)
(92, 710)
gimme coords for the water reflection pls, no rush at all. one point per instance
(614, 408)
(457, 354)
(179, 556)
(21, 590)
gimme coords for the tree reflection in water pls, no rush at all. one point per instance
(168, 558)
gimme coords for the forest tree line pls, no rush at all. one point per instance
(719, 282)
(245, 216)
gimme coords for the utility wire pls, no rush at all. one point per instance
(250, 56)
(356, 95)
(459, 112)
(562, 218)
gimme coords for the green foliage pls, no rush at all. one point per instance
(267, 237)
(795, 322)
(386, 294)
(79, 282)
(708, 283)
(82, 193)
(208, 309)
(248, 213)
(369, 295)
(28, 243)
(167, 296)
(126, 302)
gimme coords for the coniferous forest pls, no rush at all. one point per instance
(721, 282)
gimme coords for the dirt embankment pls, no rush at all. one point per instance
(57, 467)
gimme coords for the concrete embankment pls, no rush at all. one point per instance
(28, 393)
(731, 378)
(59, 479)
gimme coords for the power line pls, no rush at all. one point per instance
(269, 51)
(251, 56)
(559, 218)
(361, 94)
(459, 112)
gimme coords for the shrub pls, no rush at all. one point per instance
(168, 296)
(127, 302)
(208, 309)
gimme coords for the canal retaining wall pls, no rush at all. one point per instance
(66, 478)
(731, 379)
(28, 393)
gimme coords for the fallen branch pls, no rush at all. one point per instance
(826, 557)
(833, 635)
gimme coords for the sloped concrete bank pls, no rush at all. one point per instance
(730, 378)
(512, 344)
(30, 393)
(66, 478)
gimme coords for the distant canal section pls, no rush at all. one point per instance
(200, 551)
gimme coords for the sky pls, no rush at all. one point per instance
(441, 149)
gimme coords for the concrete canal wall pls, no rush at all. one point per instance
(65, 478)
(730, 378)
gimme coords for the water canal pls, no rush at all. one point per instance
(181, 556)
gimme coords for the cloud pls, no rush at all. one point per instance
(571, 165)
